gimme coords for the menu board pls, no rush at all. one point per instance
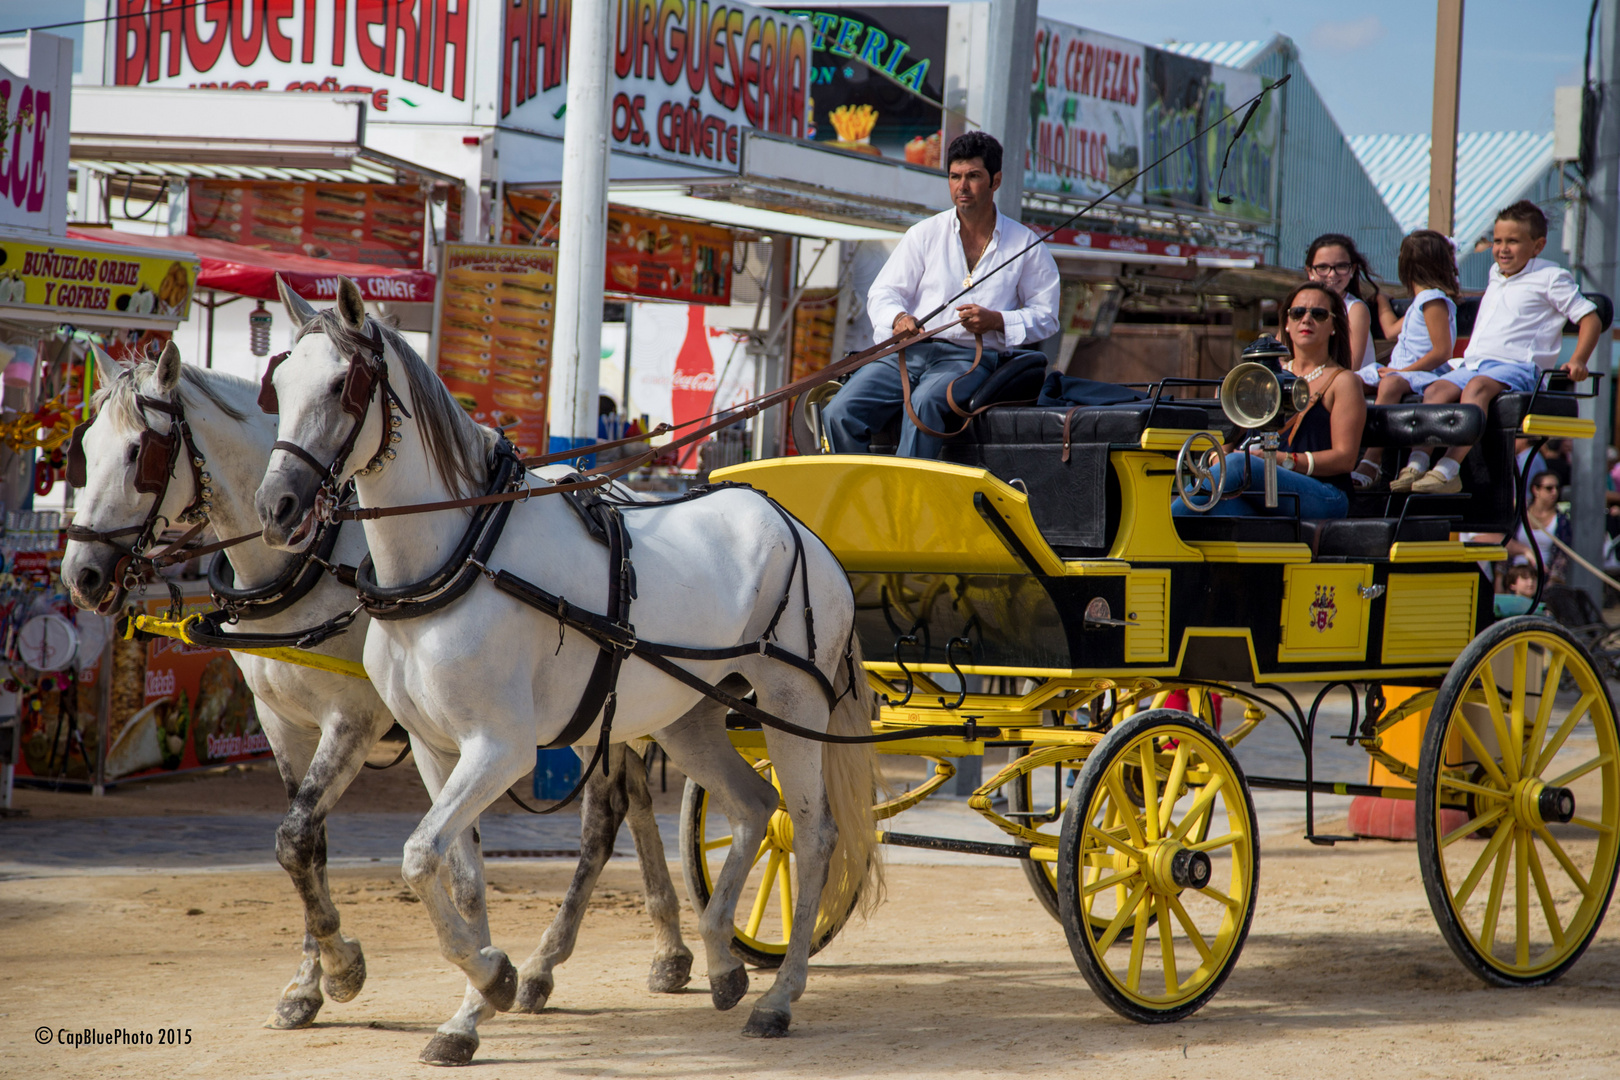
(495, 335)
(380, 224)
(657, 258)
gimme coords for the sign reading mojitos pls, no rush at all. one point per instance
(687, 75)
(1101, 108)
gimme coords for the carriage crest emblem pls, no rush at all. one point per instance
(1323, 609)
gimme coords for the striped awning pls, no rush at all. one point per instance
(1494, 168)
(1232, 54)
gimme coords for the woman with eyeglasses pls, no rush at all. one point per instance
(1543, 522)
(1321, 443)
(1332, 260)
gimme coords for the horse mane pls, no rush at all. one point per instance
(457, 447)
(214, 386)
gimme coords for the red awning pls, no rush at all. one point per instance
(251, 272)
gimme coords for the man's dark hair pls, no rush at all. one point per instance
(1526, 213)
(975, 144)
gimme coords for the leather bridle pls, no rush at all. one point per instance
(156, 463)
(368, 370)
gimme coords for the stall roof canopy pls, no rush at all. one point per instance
(251, 272)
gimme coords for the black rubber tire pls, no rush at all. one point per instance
(1076, 926)
(1042, 881)
(697, 883)
(1432, 754)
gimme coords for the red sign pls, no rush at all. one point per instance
(380, 224)
(646, 256)
(1096, 241)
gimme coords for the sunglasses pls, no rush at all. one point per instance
(1331, 268)
(1319, 314)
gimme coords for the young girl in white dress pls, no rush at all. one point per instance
(1428, 332)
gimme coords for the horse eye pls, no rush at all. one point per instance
(337, 387)
(134, 452)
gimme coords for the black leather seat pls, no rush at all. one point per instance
(1037, 426)
(1370, 538)
(1018, 379)
(1419, 425)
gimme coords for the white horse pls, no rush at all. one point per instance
(482, 680)
(320, 725)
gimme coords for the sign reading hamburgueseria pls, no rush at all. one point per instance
(67, 279)
(687, 76)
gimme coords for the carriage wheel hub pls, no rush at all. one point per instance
(780, 831)
(1172, 868)
(1536, 803)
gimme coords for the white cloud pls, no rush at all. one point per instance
(1348, 36)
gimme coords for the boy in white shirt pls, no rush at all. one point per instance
(1517, 335)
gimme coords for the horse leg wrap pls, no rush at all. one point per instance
(501, 991)
(728, 987)
(445, 1049)
(766, 1023)
(670, 974)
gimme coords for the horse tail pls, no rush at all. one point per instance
(855, 872)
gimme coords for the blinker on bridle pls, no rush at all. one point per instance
(156, 461)
(368, 369)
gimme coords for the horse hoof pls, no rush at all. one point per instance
(766, 1023)
(344, 985)
(449, 1050)
(501, 991)
(669, 975)
(728, 987)
(293, 1013)
(532, 994)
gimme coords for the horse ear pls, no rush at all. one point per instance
(298, 309)
(107, 368)
(351, 304)
(168, 367)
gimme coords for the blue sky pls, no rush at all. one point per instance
(1373, 61)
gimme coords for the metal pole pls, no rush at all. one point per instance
(1007, 89)
(208, 358)
(1443, 126)
(770, 426)
(1589, 464)
(582, 228)
(629, 331)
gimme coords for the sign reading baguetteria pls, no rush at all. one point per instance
(412, 56)
(687, 76)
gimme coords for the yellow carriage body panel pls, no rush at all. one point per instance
(1324, 612)
(1428, 618)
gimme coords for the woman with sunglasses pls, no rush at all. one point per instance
(1332, 260)
(1321, 443)
(1542, 522)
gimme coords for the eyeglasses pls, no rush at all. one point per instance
(1318, 314)
(1331, 268)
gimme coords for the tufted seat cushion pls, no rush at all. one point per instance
(1420, 425)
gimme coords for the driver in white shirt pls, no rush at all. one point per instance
(934, 261)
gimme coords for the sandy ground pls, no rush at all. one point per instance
(959, 973)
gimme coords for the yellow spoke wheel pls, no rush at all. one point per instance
(1518, 798)
(765, 909)
(1130, 859)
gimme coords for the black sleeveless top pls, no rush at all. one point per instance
(1314, 433)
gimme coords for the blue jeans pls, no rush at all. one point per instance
(1316, 499)
(871, 398)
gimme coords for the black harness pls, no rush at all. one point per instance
(157, 461)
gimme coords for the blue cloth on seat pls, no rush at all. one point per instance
(1061, 390)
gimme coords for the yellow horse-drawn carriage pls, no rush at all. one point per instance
(1037, 588)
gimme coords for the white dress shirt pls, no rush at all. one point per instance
(1521, 318)
(929, 267)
